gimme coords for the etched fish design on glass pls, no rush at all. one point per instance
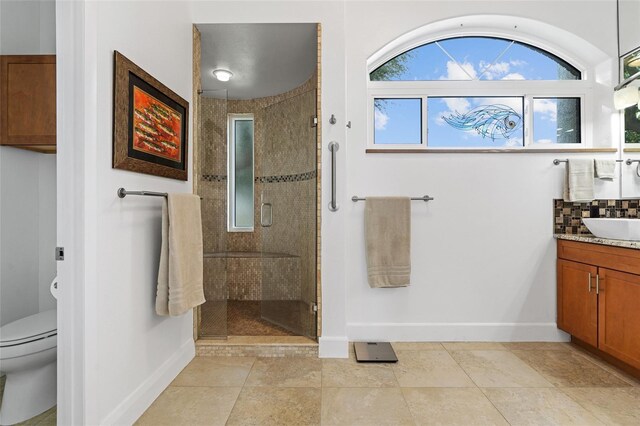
(490, 121)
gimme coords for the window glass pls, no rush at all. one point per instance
(475, 122)
(475, 58)
(241, 173)
(631, 65)
(397, 121)
(556, 120)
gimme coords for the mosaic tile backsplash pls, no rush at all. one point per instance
(568, 216)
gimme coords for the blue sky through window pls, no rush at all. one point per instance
(470, 58)
(398, 121)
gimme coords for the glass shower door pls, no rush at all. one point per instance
(287, 184)
(211, 184)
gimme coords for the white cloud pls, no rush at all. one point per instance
(544, 141)
(513, 142)
(513, 76)
(547, 108)
(459, 105)
(455, 72)
(493, 71)
(381, 119)
(517, 63)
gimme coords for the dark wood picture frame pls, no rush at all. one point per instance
(154, 139)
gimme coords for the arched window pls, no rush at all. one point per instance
(469, 92)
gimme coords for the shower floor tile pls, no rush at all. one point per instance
(243, 318)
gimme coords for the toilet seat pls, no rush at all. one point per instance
(31, 334)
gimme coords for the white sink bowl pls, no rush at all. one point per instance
(616, 229)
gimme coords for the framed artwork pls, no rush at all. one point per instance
(150, 123)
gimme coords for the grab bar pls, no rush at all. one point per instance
(333, 204)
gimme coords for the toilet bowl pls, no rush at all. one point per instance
(28, 352)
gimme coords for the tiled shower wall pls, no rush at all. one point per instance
(285, 170)
(568, 215)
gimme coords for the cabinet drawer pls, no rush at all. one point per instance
(615, 258)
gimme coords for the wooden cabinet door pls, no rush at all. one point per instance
(28, 100)
(577, 300)
(619, 315)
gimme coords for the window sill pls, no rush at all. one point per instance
(492, 151)
(632, 149)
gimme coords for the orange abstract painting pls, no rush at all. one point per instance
(157, 128)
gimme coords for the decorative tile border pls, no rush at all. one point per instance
(300, 177)
(214, 178)
(568, 216)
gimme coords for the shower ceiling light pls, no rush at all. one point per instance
(222, 75)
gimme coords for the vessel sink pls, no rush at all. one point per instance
(616, 229)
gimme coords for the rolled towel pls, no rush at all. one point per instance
(605, 169)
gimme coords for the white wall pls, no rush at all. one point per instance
(27, 27)
(27, 181)
(629, 28)
(131, 353)
(483, 253)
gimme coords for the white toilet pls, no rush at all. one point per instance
(28, 352)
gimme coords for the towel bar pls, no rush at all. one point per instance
(424, 198)
(123, 193)
(558, 161)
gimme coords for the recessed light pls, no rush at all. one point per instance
(222, 75)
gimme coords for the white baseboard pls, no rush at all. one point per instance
(333, 347)
(450, 332)
(129, 410)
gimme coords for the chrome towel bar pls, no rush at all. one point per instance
(424, 198)
(558, 161)
(123, 193)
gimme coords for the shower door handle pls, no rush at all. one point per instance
(266, 223)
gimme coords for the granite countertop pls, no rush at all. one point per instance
(597, 240)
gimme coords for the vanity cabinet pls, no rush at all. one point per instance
(28, 101)
(599, 298)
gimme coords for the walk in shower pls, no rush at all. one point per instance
(257, 176)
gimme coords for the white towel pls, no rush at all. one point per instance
(180, 274)
(387, 229)
(578, 185)
(605, 169)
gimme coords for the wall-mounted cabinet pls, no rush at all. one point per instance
(599, 296)
(28, 102)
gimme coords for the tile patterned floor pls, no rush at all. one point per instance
(434, 383)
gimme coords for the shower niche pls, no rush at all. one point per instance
(256, 171)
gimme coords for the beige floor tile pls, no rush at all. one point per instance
(347, 373)
(539, 407)
(537, 346)
(473, 346)
(364, 406)
(276, 406)
(286, 372)
(633, 381)
(191, 406)
(417, 346)
(569, 369)
(498, 369)
(215, 371)
(47, 418)
(619, 406)
(451, 406)
(429, 369)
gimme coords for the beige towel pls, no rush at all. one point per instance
(387, 229)
(180, 281)
(605, 169)
(578, 184)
